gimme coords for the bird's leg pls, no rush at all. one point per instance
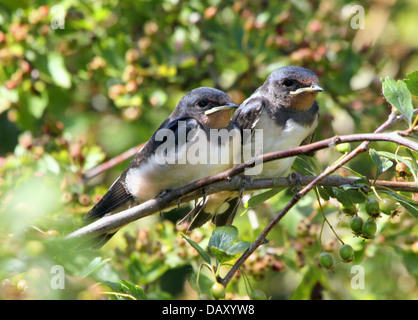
(197, 208)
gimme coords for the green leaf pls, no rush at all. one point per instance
(93, 266)
(238, 247)
(220, 254)
(58, 71)
(355, 196)
(304, 166)
(323, 193)
(398, 95)
(205, 283)
(223, 237)
(414, 165)
(412, 82)
(342, 196)
(355, 172)
(262, 197)
(198, 248)
(382, 164)
(132, 289)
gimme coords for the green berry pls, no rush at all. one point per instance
(350, 211)
(372, 207)
(369, 228)
(218, 291)
(346, 253)
(387, 206)
(343, 147)
(326, 260)
(356, 224)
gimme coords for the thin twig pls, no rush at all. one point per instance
(112, 162)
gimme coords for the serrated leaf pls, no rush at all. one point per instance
(412, 82)
(398, 95)
(223, 237)
(198, 248)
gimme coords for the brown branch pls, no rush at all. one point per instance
(177, 196)
(109, 223)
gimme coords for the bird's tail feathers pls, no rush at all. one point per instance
(114, 197)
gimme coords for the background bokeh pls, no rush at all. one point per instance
(75, 96)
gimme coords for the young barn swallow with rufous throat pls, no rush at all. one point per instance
(284, 108)
(147, 176)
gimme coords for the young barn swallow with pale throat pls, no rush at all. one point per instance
(284, 107)
(147, 175)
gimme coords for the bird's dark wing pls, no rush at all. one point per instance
(227, 217)
(248, 114)
(118, 195)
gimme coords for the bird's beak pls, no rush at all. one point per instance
(313, 88)
(227, 106)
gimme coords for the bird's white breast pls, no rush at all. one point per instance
(151, 178)
(277, 138)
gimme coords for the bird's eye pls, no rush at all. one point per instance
(202, 103)
(288, 83)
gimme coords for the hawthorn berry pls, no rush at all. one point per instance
(326, 260)
(346, 253)
(369, 228)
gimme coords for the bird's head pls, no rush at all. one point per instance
(292, 87)
(210, 106)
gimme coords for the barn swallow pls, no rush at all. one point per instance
(152, 172)
(284, 107)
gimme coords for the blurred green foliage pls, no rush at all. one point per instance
(72, 97)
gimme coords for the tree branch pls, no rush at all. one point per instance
(195, 190)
